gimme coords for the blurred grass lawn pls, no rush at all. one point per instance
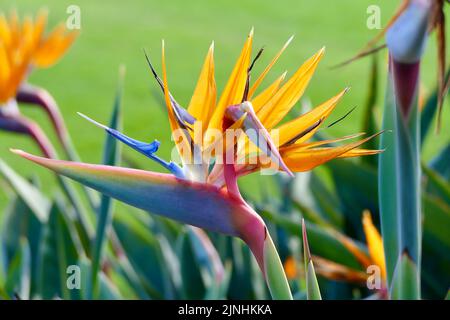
(115, 32)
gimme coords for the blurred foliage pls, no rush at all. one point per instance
(135, 255)
(116, 33)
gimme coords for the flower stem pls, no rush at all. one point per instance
(274, 272)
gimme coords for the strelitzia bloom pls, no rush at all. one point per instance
(374, 245)
(336, 271)
(24, 46)
(203, 190)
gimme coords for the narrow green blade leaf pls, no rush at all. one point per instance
(440, 162)
(209, 262)
(19, 274)
(144, 253)
(107, 289)
(323, 241)
(405, 280)
(355, 183)
(193, 284)
(59, 250)
(37, 202)
(275, 276)
(111, 156)
(18, 223)
(437, 184)
(312, 286)
(429, 111)
(399, 182)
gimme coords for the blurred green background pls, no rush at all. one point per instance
(115, 32)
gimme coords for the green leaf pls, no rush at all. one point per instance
(326, 201)
(437, 184)
(124, 269)
(405, 280)
(210, 265)
(323, 240)
(355, 183)
(144, 253)
(312, 286)
(123, 285)
(37, 202)
(310, 214)
(193, 285)
(60, 249)
(19, 222)
(107, 289)
(435, 246)
(428, 112)
(399, 183)
(257, 282)
(111, 156)
(275, 276)
(427, 115)
(19, 273)
(437, 219)
(440, 162)
(241, 277)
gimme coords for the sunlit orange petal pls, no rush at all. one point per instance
(292, 128)
(181, 140)
(261, 99)
(290, 267)
(5, 70)
(260, 79)
(315, 144)
(54, 46)
(288, 95)
(374, 242)
(235, 87)
(338, 272)
(307, 159)
(5, 33)
(39, 25)
(203, 100)
(27, 35)
(14, 28)
(359, 153)
(351, 246)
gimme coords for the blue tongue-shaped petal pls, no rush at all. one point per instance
(252, 122)
(147, 149)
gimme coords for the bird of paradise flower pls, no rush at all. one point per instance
(373, 278)
(205, 193)
(24, 45)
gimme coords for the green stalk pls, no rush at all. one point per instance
(399, 166)
(399, 186)
(312, 285)
(275, 275)
(111, 156)
(36, 96)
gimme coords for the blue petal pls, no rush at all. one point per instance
(147, 149)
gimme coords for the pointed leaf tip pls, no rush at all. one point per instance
(305, 243)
